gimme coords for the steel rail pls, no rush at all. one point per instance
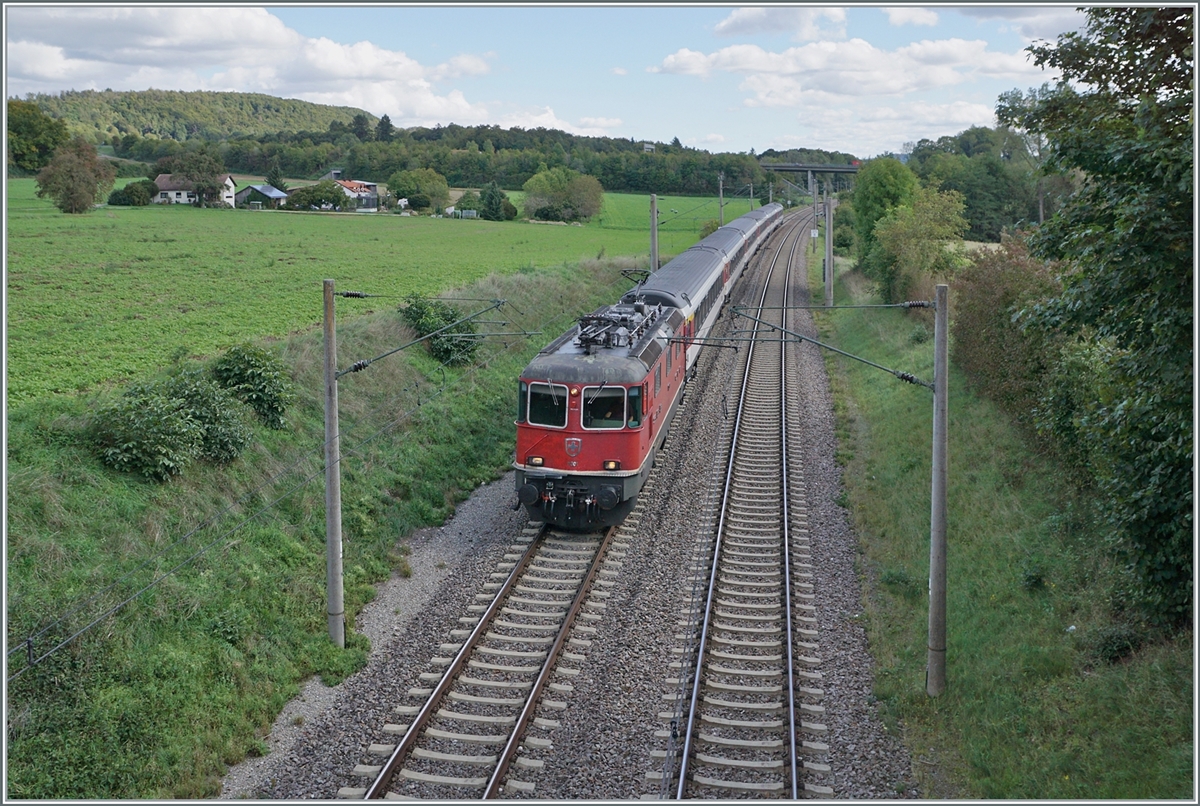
(689, 727)
(518, 732)
(404, 747)
(785, 518)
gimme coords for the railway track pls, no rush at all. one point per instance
(485, 725)
(747, 720)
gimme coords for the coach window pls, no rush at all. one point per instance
(522, 401)
(657, 378)
(548, 404)
(635, 406)
(603, 407)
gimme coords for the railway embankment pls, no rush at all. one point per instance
(1051, 692)
(215, 580)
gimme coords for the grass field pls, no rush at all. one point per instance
(100, 298)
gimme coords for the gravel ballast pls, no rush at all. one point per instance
(602, 750)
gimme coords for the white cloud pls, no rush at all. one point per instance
(803, 22)
(1031, 22)
(620, 71)
(707, 140)
(465, 65)
(601, 123)
(233, 49)
(907, 15)
(854, 68)
(867, 129)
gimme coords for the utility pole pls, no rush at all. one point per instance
(770, 193)
(653, 232)
(751, 195)
(336, 609)
(828, 251)
(721, 199)
(935, 670)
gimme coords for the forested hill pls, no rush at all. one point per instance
(182, 115)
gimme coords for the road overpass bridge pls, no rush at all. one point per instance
(808, 168)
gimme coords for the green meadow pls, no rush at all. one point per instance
(102, 298)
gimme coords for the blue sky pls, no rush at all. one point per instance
(860, 79)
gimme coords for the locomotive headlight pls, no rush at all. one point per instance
(574, 391)
(535, 461)
(612, 464)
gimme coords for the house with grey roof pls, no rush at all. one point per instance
(261, 195)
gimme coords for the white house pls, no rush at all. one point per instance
(181, 191)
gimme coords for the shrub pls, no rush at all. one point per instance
(1005, 361)
(1113, 642)
(426, 316)
(259, 380)
(147, 432)
(135, 194)
(220, 415)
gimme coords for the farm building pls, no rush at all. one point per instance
(264, 195)
(364, 194)
(181, 191)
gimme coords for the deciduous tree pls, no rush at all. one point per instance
(881, 184)
(326, 194)
(76, 177)
(1122, 116)
(32, 136)
(561, 194)
(421, 182)
(917, 240)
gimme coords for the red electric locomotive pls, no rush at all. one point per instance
(594, 407)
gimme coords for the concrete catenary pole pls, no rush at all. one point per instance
(828, 251)
(653, 232)
(333, 483)
(935, 673)
(721, 199)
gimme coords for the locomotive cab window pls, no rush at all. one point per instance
(635, 406)
(603, 407)
(548, 404)
(522, 401)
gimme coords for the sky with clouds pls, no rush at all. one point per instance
(859, 79)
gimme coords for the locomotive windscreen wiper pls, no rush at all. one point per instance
(588, 402)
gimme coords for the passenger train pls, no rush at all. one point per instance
(595, 406)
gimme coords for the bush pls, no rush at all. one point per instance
(426, 316)
(1004, 360)
(1113, 643)
(135, 194)
(147, 432)
(259, 380)
(220, 415)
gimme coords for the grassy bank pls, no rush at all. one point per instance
(1043, 699)
(154, 700)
